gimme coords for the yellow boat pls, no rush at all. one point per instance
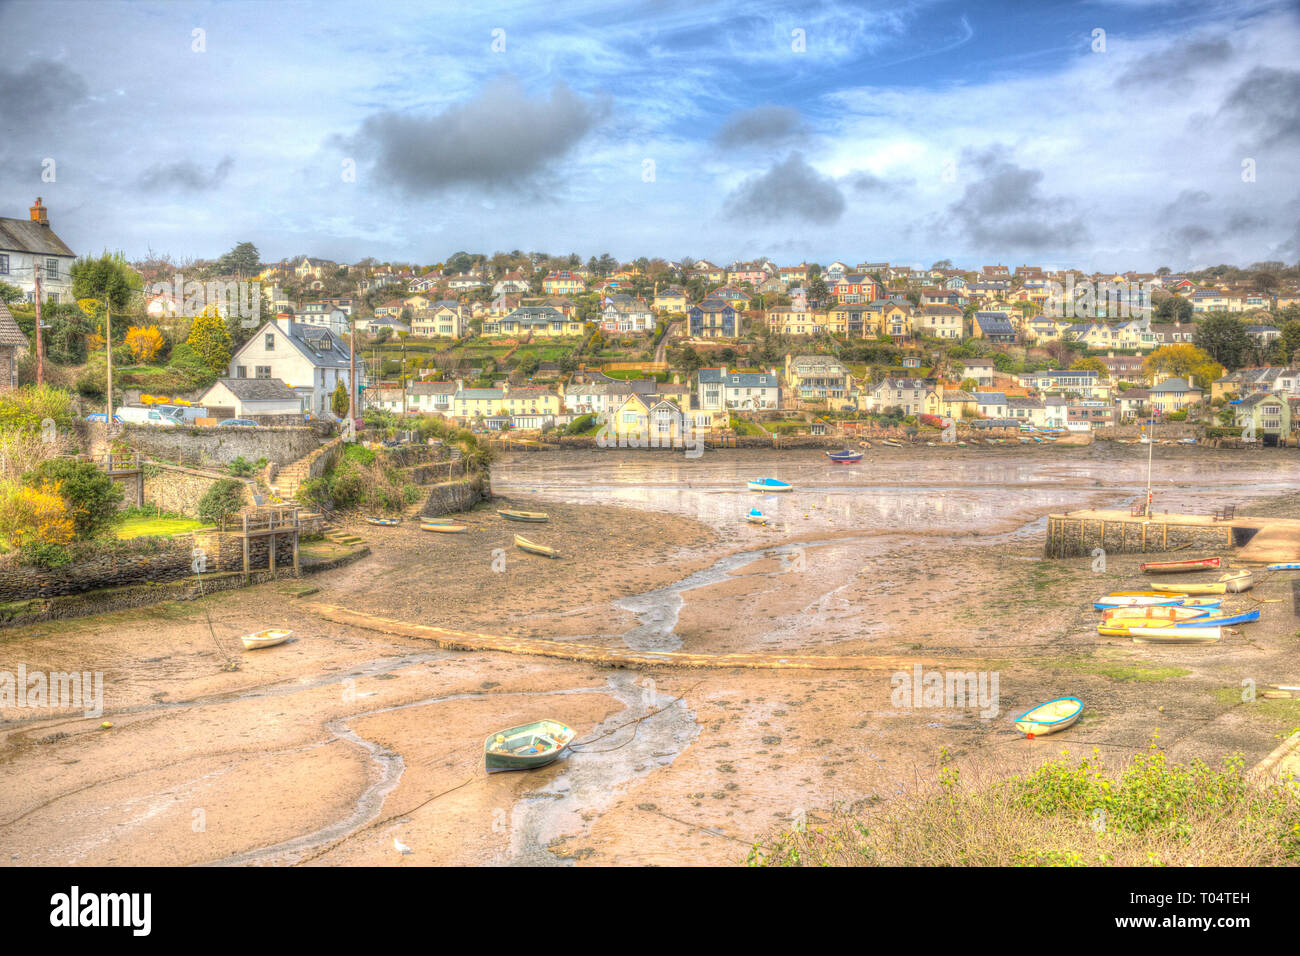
(1232, 583)
(268, 638)
(1049, 718)
(445, 527)
(511, 515)
(1155, 594)
(1165, 635)
(523, 544)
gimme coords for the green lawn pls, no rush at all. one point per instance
(156, 527)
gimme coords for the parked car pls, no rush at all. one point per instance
(243, 422)
(103, 417)
(184, 414)
(141, 415)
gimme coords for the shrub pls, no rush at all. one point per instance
(47, 555)
(33, 516)
(241, 467)
(144, 343)
(28, 406)
(91, 495)
(223, 499)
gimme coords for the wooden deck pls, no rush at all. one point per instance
(1262, 539)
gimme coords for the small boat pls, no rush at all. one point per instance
(1221, 620)
(1168, 600)
(1049, 718)
(1285, 566)
(1158, 612)
(527, 746)
(891, 443)
(1173, 635)
(523, 544)
(524, 515)
(1172, 567)
(1233, 582)
(444, 527)
(755, 516)
(1187, 441)
(1155, 594)
(268, 638)
(384, 522)
(768, 484)
(845, 457)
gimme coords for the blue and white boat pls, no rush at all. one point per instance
(845, 457)
(768, 484)
(1114, 601)
(1245, 617)
(756, 516)
(1285, 566)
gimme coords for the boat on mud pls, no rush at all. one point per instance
(527, 746)
(1050, 718)
(768, 484)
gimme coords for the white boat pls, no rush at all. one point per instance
(1174, 635)
(1050, 718)
(268, 638)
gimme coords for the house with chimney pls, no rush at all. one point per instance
(310, 359)
(28, 247)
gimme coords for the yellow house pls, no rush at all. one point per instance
(417, 302)
(950, 403)
(792, 320)
(645, 421)
(892, 318)
(563, 283)
(670, 300)
(530, 400)
(471, 403)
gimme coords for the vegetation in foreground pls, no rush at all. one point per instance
(1148, 813)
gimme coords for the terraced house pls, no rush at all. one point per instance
(907, 394)
(793, 320)
(940, 322)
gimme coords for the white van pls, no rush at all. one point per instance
(141, 415)
(183, 414)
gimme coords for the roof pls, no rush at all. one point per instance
(315, 343)
(739, 379)
(25, 235)
(258, 389)
(991, 398)
(1175, 385)
(432, 388)
(10, 334)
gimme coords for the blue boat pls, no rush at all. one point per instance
(768, 484)
(1205, 604)
(1285, 566)
(756, 516)
(1245, 617)
(845, 457)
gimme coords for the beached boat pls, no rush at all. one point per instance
(1049, 718)
(1234, 582)
(527, 746)
(1172, 567)
(767, 484)
(1220, 619)
(891, 443)
(384, 522)
(1285, 566)
(756, 516)
(523, 515)
(1173, 635)
(845, 457)
(523, 544)
(443, 527)
(268, 638)
(1158, 612)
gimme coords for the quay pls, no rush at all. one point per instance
(1261, 539)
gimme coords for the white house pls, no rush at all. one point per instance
(252, 398)
(720, 389)
(309, 359)
(28, 245)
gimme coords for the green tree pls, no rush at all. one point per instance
(1173, 308)
(1287, 347)
(109, 278)
(243, 260)
(9, 294)
(339, 400)
(92, 496)
(223, 499)
(210, 340)
(1224, 338)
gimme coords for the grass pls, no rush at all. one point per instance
(1138, 673)
(1149, 812)
(156, 527)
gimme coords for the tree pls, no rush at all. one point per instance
(210, 340)
(1173, 308)
(144, 343)
(109, 278)
(92, 496)
(33, 516)
(817, 289)
(224, 498)
(243, 260)
(1287, 347)
(9, 294)
(1224, 338)
(339, 400)
(1090, 363)
(1183, 360)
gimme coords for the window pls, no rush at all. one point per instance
(269, 342)
(241, 371)
(262, 371)
(4, 265)
(51, 268)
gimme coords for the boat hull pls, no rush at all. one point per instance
(445, 528)
(518, 748)
(533, 516)
(1051, 717)
(1172, 635)
(840, 458)
(1159, 612)
(1228, 584)
(767, 484)
(532, 547)
(383, 522)
(268, 638)
(1174, 567)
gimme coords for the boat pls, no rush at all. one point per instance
(523, 544)
(267, 638)
(891, 443)
(1049, 718)
(756, 516)
(1221, 620)
(384, 522)
(1169, 600)
(1155, 594)
(1285, 566)
(1158, 612)
(1187, 441)
(845, 457)
(1170, 635)
(527, 746)
(768, 484)
(1171, 567)
(523, 515)
(1234, 582)
(445, 527)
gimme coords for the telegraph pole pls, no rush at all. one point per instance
(108, 349)
(40, 358)
(352, 369)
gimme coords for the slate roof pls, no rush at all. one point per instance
(259, 389)
(10, 334)
(25, 235)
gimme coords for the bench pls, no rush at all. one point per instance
(1226, 513)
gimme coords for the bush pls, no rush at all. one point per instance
(243, 468)
(93, 497)
(223, 499)
(581, 424)
(45, 556)
(28, 406)
(32, 516)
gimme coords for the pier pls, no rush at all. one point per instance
(1262, 540)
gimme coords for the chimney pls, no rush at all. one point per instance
(38, 214)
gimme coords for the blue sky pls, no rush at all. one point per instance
(989, 132)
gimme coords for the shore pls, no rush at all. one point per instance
(325, 750)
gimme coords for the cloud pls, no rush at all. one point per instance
(1005, 207)
(500, 139)
(185, 175)
(40, 92)
(867, 184)
(790, 189)
(1267, 100)
(761, 126)
(1176, 62)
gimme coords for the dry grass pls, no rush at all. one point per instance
(1147, 813)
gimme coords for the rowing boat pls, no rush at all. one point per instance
(1165, 635)
(1156, 594)
(384, 522)
(1232, 583)
(1169, 600)
(891, 443)
(527, 746)
(845, 457)
(1049, 718)
(1221, 620)
(1285, 566)
(1158, 612)
(756, 516)
(267, 638)
(523, 544)
(523, 515)
(767, 484)
(1172, 567)
(443, 527)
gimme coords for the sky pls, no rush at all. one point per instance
(1116, 134)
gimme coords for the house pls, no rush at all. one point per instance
(258, 399)
(445, 318)
(811, 378)
(1083, 383)
(670, 300)
(981, 370)
(1174, 394)
(1085, 415)
(944, 297)
(11, 340)
(1173, 333)
(469, 404)
(537, 320)
(1270, 416)
(624, 313)
(939, 321)
(994, 326)
(950, 403)
(563, 282)
(309, 359)
(751, 272)
(1245, 382)
(906, 394)
(992, 405)
(1133, 403)
(595, 398)
(530, 400)
(648, 421)
(1027, 411)
(793, 275)
(834, 273)
(1123, 368)
(1042, 328)
(791, 320)
(432, 398)
(707, 271)
(720, 389)
(510, 282)
(713, 319)
(377, 323)
(324, 316)
(854, 287)
(854, 319)
(30, 245)
(310, 268)
(1264, 334)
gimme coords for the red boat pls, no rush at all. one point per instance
(1175, 567)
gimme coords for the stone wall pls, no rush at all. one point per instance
(207, 445)
(1072, 537)
(1170, 430)
(461, 495)
(178, 490)
(108, 567)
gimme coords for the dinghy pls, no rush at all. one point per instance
(524, 515)
(1166, 612)
(1172, 567)
(1049, 718)
(768, 484)
(1285, 566)
(1220, 620)
(1171, 635)
(527, 746)
(384, 522)
(523, 544)
(268, 638)
(845, 457)
(755, 516)
(891, 443)
(443, 527)
(1232, 583)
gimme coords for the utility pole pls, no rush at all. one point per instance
(40, 358)
(108, 349)
(352, 369)
(402, 378)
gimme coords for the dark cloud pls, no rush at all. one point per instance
(791, 189)
(501, 139)
(186, 176)
(761, 126)
(1267, 100)
(1005, 208)
(38, 93)
(1176, 62)
(866, 184)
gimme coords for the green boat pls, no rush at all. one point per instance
(527, 746)
(523, 515)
